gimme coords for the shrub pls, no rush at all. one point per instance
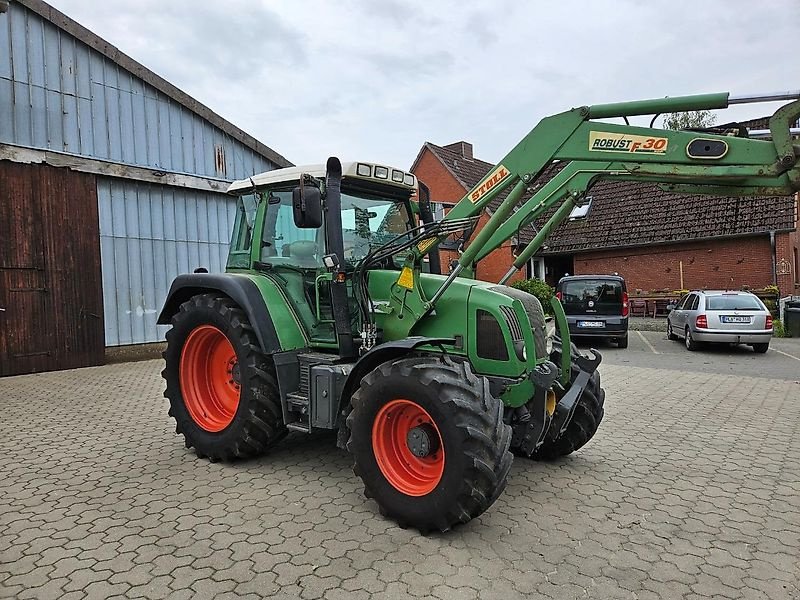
(538, 288)
(778, 330)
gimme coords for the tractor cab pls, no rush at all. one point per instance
(290, 243)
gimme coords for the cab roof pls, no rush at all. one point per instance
(364, 171)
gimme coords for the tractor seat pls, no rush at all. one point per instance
(303, 253)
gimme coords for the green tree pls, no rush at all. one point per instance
(691, 119)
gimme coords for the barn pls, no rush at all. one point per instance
(112, 182)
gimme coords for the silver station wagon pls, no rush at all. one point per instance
(724, 317)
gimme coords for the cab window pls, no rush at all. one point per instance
(283, 243)
(243, 225)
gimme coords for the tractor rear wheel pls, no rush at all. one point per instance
(222, 389)
(585, 421)
(429, 442)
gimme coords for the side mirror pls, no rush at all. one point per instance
(671, 306)
(307, 207)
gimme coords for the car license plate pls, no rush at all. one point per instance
(729, 319)
(591, 323)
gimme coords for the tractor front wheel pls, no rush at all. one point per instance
(222, 389)
(429, 442)
(585, 421)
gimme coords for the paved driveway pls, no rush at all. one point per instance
(653, 349)
(691, 489)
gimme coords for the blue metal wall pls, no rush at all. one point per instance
(57, 93)
(65, 96)
(148, 235)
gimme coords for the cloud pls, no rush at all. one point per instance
(374, 80)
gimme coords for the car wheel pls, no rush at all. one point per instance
(760, 348)
(670, 334)
(691, 345)
(623, 341)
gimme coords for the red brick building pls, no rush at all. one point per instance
(657, 240)
(450, 172)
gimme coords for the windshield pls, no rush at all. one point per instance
(369, 223)
(366, 224)
(733, 302)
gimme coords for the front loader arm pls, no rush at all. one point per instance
(594, 150)
(746, 167)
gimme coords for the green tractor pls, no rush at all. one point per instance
(332, 314)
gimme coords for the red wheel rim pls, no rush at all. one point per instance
(209, 376)
(405, 471)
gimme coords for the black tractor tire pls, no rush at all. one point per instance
(257, 422)
(623, 341)
(469, 430)
(689, 341)
(671, 334)
(760, 348)
(585, 421)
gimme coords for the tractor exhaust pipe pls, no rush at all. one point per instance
(335, 238)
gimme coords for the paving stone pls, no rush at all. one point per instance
(670, 501)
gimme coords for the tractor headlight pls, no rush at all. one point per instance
(520, 350)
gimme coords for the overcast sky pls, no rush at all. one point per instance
(373, 80)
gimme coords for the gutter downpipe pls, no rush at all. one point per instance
(774, 258)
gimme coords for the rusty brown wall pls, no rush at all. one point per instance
(50, 281)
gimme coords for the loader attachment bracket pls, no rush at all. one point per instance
(565, 408)
(544, 375)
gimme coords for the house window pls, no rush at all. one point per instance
(796, 265)
(537, 268)
(438, 211)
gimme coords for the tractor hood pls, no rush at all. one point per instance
(488, 322)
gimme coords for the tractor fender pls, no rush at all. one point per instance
(241, 290)
(379, 354)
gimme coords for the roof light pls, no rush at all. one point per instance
(381, 172)
(581, 211)
(397, 176)
(364, 170)
(409, 179)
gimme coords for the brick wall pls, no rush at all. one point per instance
(445, 188)
(787, 248)
(721, 264)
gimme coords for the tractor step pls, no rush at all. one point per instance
(297, 407)
(297, 426)
(298, 402)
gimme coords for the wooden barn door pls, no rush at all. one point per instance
(50, 289)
